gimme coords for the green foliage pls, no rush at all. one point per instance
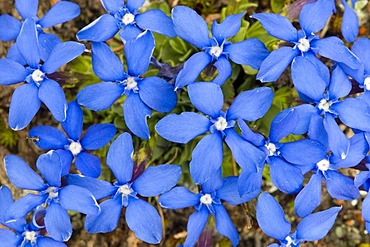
(8, 137)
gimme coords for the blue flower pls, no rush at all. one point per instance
(271, 219)
(207, 202)
(73, 146)
(141, 217)
(192, 28)
(127, 19)
(306, 44)
(207, 156)
(56, 198)
(143, 94)
(10, 27)
(363, 179)
(27, 98)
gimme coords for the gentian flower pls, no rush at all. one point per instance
(141, 217)
(73, 145)
(142, 93)
(10, 27)
(19, 233)
(207, 156)
(192, 28)
(306, 45)
(57, 199)
(271, 219)
(207, 202)
(38, 88)
(127, 19)
(363, 179)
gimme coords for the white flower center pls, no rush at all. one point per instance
(206, 199)
(30, 236)
(271, 147)
(51, 192)
(303, 44)
(128, 18)
(75, 148)
(323, 165)
(37, 76)
(324, 105)
(221, 123)
(131, 83)
(215, 51)
(289, 241)
(367, 83)
(125, 190)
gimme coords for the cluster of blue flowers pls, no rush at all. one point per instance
(327, 99)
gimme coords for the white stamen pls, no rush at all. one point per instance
(325, 105)
(367, 83)
(206, 199)
(271, 147)
(128, 18)
(75, 148)
(52, 193)
(215, 51)
(131, 83)
(303, 44)
(37, 76)
(30, 236)
(221, 123)
(289, 240)
(323, 165)
(125, 190)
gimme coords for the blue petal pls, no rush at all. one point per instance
(50, 167)
(27, 43)
(157, 180)
(253, 137)
(341, 187)
(66, 158)
(157, 94)
(27, 8)
(314, 16)
(338, 142)
(130, 32)
(207, 157)
(283, 124)
(309, 198)
(157, 21)
(135, 114)
(133, 5)
(306, 79)
(361, 178)
(275, 63)
(106, 65)
(248, 156)
(20, 208)
(214, 183)
(10, 27)
(61, 12)
(321, 68)
(78, 199)
(119, 158)
(251, 105)
(182, 128)
(100, 96)
(112, 6)
(47, 42)
(140, 215)
(190, 26)
(192, 68)
(8, 238)
(74, 121)
(229, 192)
(227, 28)
(280, 170)
(317, 132)
(277, 26)
(358, 149)
(88, 164)
(196, 223)
(138, 53)
(47, 137)
(6, 199)
(21, 175)
(97, 136)
(108, 218)
(224, 225)
(102, 29)
(46, 242)
(11, 72)
(317, 225)
(56, 104)
(350, 24)
(365, 208)
(270, 217)
(207, 98)
(15, 55)
(250, 182)
(177, 198)
(57, 222)
(224, 70)
(340, 85)
(61, 54)
(24, 106)
(250, 52)
(361, 49)
(305, 113)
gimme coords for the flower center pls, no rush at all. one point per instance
(130, 83)
(52, 191)
(325, 105)
(215, 51)
(128, 18)
(221, 124)
(125, 190)
(367, 83)
(37, 76)
(289, 241)
(30, 236)
(303, 44)
(271, 147)
(206, 199)
(75, 148)
(323, 165)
